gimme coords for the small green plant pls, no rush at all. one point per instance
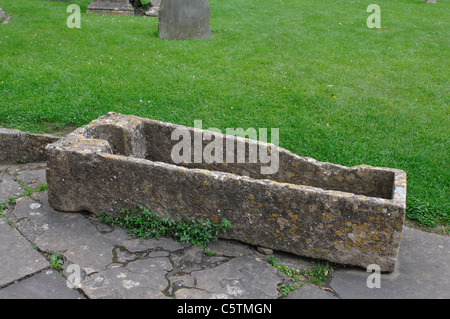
(27, 191)
(209, 252)
(56, 261)
(2, 208)
(21, 160)
(316, 276)
(141, 223)
(319, 275)
(273, 261)
(287, 289)
(11, 223)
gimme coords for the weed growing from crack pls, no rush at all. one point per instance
(143, 224)
(27, 191)
(317, 276)
(2, 208)
(56, 261)
(209, 252)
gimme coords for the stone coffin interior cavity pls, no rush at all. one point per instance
(152, 141)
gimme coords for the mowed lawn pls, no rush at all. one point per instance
(337, 90)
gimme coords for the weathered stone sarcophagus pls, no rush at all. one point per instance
(345, 215)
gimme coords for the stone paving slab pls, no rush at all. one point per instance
(8, 186)
(31, 174)
(48, 284)
(115, 266)
(422, 273)
(18, 258)
(242, 277)
(309, 291)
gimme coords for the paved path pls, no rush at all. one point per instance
(104, 262)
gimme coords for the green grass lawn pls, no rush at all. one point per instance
(337, 90)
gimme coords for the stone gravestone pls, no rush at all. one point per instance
(116, 7)
(184, 19)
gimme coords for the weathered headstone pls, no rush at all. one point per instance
(184, 19)
(115, 7)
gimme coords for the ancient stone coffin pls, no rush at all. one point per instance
(305, 207)
(184, 19)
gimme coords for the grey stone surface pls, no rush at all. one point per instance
(34, 175)
(17, 145)
(48, 284)
(83, 244)
(116, 266)
(114, 7)
(182, 281)
(120, 283)
(309, 208)
(184, 19)
(13, 183)
(265, 251)
(242, 277)
(229, 248)
(8, 186)
(309, 291)
(422, 272)
(18, 258)
(193, 293)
